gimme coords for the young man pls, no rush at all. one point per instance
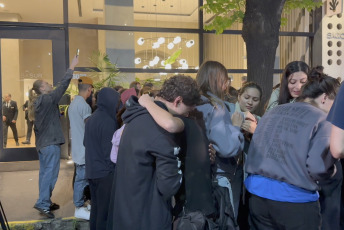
(78, 112)
(9, 118)
(148, 172)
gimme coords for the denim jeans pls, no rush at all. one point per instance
(80, 183)
(49, 167)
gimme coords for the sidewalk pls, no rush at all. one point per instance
(19, 191)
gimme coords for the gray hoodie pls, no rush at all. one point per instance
(291, 144)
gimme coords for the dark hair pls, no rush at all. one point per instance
(210, 78)
(251, 85)
(118, 87)
(315, 87)
(33, 95)
(180, 85)
(134, 84)
(231, 95)
(148, 84)
(83, 87)
(316, 72)
(292, 67)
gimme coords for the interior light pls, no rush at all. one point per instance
(185, 66)
(162, 62)
(177, 39)
(161, 40)
(137, 60)
(170, 45)
(140, 41)
(190, 43)
(151, 63)
(182, 61)
(2, 5)
(168, 66)
(197, 67)
(155, 45)
(145, 67)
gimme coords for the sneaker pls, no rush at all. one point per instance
(45, 212)
(54, 207)
(26, 142)
(82, 213)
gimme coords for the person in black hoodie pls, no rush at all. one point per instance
(147, 171)
(99, 129)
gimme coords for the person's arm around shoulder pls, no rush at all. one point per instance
(162, 117)
(57, 93)
(337, 142)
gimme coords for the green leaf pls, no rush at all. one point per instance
(172, 59)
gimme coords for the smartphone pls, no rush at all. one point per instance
(77, 52)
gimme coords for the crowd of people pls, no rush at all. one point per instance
(195, 155)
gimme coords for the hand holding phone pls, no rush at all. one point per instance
(77, 52)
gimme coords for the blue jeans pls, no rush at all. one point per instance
(80, 182)
(49, 167)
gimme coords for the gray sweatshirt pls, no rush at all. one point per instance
(47, 127)
(291, 144)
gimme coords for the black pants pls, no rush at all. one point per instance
(330, 200)
(267, 214)
(100, 193)
(14, 130)
(29, 129)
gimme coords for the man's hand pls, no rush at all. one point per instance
(145, 99)
(74, 62)
(3, 118)
(249, 126)
(212, 154)
(13, 121)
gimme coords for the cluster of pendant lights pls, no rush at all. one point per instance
(170, 45)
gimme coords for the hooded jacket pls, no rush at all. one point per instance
(99, 129)
(147, 173)
(47, 127)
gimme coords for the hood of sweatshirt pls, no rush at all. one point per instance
(108, 101)
(134, 109)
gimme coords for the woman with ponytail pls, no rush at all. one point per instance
(44, 111)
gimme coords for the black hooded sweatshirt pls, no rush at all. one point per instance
(147, 173)
(99, 129)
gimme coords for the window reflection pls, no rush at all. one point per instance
(22, 62)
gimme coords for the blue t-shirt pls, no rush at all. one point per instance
(278, 191)
(337, 111)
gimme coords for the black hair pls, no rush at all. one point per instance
(251, 85)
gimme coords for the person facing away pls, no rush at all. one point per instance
(99, 129)
(78, 112)
(44, 111)
(28, 123)
(9, 118)
(288, 159)
(147, 171)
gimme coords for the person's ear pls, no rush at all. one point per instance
(177, 101)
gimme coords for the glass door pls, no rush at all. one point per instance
(26, 56)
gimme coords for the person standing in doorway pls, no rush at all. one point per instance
(9, 118)
(28, 122)
(44, 111)
(78, 112)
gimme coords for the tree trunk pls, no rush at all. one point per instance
(260, 32)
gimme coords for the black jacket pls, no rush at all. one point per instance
(47, 123)
(11, 112)
(147, 173)
(99, 129)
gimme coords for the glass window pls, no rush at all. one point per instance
(169, 14)
(230, 50)
(296, 21)
(22, 63)
(137, 49)
(37, 11)
(292, 49)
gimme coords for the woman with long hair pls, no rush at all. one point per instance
(287, 158)
(293, 78)
(223, 131)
